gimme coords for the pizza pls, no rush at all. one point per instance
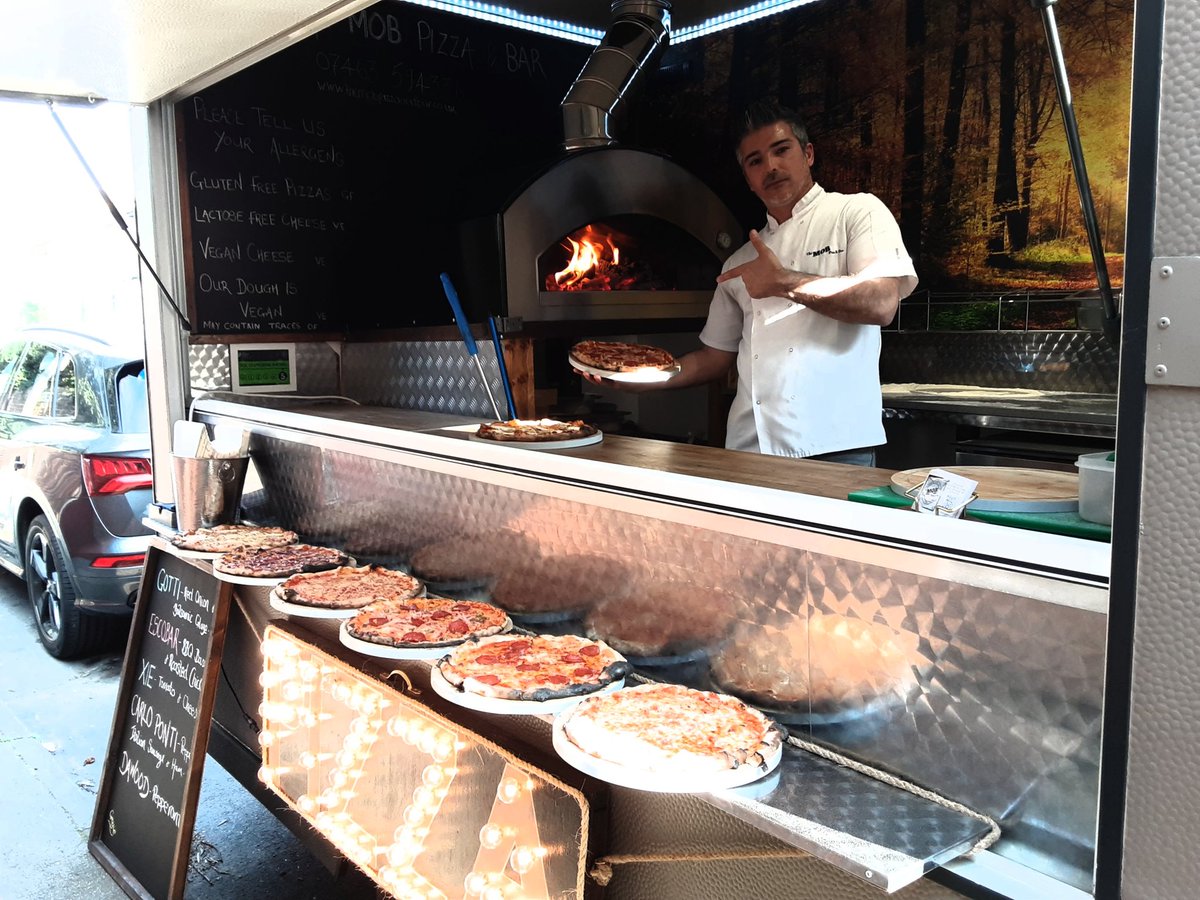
(279, 562)
(670, 619)
(678, 731)
(223, 538)
(535, 430)
(558, 586)
(538, 667)
(613, 356)
(822, 661)
(347, 587)
(426, 622)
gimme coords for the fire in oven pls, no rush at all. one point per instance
(607, 235)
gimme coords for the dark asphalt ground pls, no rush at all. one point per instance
(55, 719)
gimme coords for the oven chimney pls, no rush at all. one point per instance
(639, 32)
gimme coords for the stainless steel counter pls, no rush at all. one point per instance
(1017, 409)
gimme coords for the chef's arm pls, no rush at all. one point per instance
(858, 299)
(697, 367)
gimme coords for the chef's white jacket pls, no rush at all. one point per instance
(808, 384)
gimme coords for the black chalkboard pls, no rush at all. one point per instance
(322, 188)
(146, 805)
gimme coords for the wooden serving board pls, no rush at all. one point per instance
(1007, 489)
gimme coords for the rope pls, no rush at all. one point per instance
(602, 869)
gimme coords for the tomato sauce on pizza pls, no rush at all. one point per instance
(614, 356)
(537, 667)
(426, 622)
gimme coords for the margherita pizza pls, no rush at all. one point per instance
(612, 356)
(426, 622)
(224, 538)
(280, 562)
(539, 667)
(347, 587)
(535, 430)
(674, 730)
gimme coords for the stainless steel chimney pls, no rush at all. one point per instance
(639, 32)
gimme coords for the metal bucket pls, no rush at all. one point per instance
(207, 491)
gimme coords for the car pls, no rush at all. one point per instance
(75, 482)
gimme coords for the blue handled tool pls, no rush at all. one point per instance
(468, 339)
(508, 394)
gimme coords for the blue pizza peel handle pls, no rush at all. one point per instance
(459, 318)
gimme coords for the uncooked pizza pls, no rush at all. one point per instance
(678, 731)
(535, 430)
(539, 667)
(224, 538)
(614, 356)
(426, 622)
(663, 621)
(349, 587)
(280, 562)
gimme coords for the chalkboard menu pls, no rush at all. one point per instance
(322, 188)
(146, 807)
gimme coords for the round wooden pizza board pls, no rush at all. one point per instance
(1007, 489)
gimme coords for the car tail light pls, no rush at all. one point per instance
(115, 474)
(117, 562)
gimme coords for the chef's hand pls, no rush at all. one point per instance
(765, 275)
(632, 387)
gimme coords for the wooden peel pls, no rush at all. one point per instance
(1006, 489)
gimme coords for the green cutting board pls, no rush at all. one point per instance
(1068, 523)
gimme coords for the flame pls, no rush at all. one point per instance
(592, 255)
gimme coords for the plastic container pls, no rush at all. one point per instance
(1096, 487)
(208, 492)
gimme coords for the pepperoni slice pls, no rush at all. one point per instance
(557, 679)
(458, 626)
(376, 621)
(590, 650)
(527, 667)
(582, 671)
(486, 660)
(440, 614)
(488, 679)
(572, 657)
(417, 622)
(414, 637)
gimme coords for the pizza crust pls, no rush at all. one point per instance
(347, 587)
(226, 538)
(616, 356)
(280, 562)
(405, 618)
(548, 667)
(672, 729)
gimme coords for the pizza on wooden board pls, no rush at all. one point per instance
(280, 562)
(538, 667)
(614, 356)
(224, 538)
(535, 430)
(672, 729)
(426, 622)
(348, 587)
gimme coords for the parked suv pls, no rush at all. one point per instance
(74, 482)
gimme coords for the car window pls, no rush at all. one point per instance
(9, 354)
(64, 393)
(32, 382)
(133, 406)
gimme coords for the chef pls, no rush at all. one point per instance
(798, 308)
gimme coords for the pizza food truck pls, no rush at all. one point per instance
(361, 226)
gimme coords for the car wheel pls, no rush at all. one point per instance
(65, 632)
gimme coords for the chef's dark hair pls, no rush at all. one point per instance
(762, 113)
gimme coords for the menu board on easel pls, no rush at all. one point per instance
(146, 805)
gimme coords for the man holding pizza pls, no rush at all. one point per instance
(799, 307)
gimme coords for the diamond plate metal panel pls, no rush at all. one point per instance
(436, 376)
(990, 698)
(1081, 361)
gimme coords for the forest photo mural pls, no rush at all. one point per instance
(946, 109)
